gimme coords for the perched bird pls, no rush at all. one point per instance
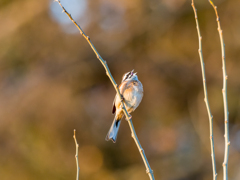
(131, 90)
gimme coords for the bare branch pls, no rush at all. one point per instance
(210, 117)
(128, 116)
(76, 155)
(224, 92)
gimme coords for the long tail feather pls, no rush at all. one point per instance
(113, 131)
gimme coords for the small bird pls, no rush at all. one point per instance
(131, 90)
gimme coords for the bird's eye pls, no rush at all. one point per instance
(126, 76)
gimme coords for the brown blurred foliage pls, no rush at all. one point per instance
(51, 83)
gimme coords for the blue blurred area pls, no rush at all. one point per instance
(77, 9)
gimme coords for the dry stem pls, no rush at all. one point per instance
(210, 117)
(128, 117)
(224, 92)
(76, 155)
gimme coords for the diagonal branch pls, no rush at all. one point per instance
(210, 117)
(224, 92)
(128, 117)
(76, 155)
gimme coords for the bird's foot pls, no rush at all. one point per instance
(129, 118)
(122, 98)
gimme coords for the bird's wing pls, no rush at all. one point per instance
(114, 107)
(123, 86)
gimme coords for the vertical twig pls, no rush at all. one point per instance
(76, 155)
(128, 117)
(210, 117)
(224, 92)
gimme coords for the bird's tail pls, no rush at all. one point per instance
(113, 131)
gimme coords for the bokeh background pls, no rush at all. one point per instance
(52, 83)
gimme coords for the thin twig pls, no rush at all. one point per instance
(128, 117)
(76, 155)
(224, 92)
(210, 117)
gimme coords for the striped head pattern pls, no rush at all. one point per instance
(129, 76)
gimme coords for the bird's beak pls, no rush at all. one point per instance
(132, 71)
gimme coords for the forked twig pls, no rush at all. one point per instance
(210, 117)
(76, 155)
(128, 117)
(224, 92)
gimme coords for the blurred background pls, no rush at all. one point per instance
(52, 83)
